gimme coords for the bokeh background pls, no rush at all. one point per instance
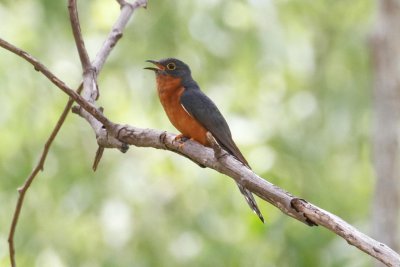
(293, 79)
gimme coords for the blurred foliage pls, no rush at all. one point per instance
(293, 80)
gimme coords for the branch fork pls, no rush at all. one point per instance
(90, 71)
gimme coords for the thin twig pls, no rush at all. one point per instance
(97, 158)
(76, 30)
(56, 81)
(90, 86)
(116, 32)
(113, 37)
(22, 190)
(100, 59)
(39, 167)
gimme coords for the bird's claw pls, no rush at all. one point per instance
(180, 139)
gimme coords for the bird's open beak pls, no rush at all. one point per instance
(159, 66)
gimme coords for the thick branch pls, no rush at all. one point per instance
(288, 204)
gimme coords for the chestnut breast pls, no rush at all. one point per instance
(170, 90)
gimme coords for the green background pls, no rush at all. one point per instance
(293, 79)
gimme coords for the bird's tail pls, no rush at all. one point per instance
(251, 201)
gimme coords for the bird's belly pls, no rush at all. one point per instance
(186, 124)
(178, 116)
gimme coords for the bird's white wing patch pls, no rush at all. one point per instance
(186, 111)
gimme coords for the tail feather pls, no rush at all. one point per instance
(229, 145)
(251, 201)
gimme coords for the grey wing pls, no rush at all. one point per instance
(203, 109)
(200, 107)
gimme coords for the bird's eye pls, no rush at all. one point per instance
(171, 66)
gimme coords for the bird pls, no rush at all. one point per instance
(194, 114)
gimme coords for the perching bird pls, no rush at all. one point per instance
(193, 113)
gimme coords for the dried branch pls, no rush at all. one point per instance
(127, 9)
(288, 204)
(115, 34)
(97, 158)
(76, 30)
(90, 86)
(101, 57)
(55, 80)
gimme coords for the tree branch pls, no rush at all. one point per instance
(127, 9)
(287, 203)
(90, 88)
(76, 30)
(55, 80)
(115, 34)
(112, 39)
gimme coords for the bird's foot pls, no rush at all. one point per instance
(180, 139)
(219, 153)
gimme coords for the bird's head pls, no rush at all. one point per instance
(170, 66)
